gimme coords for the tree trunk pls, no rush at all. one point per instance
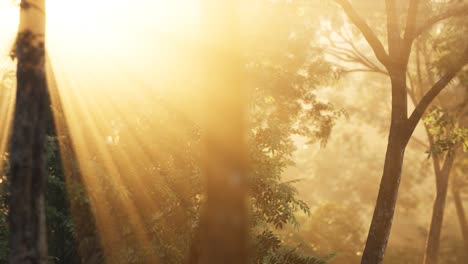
(433, 239)
(461, 218)
(223, 228)
(384, 210)
(382, 219)
(27, 149)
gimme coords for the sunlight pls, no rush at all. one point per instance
(110, 71)
(236, 132)
(7, 103)
(137, 40)
(89, 16)
(9, 22)
(85, 24)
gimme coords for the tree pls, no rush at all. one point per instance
(27, 149)
(400, 42)
(445, 138)
(169, 206)
(445, 126)
(224, 220)
(432, 56)
(458, 186)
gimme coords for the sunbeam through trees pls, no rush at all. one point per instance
(235, 131)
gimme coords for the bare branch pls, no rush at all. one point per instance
(435, 157)
(363, 58)
(420, 142)
(342, 54)
(418, 71)
(393, 30)
(371, 38)
(411, 19)
(452, 12)
(411, 88)
(434, 91)
(364, 70)
(446, 167)
(345, 57)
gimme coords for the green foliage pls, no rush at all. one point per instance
(4, 232)
(62, 244)
(270, 250)
(447, 133)
(282, 78)
(292, 257)
(447, 45)
(331, 228)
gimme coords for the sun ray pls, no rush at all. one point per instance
(112, 69)
(9, 19)
(7, 103)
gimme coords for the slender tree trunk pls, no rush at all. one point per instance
(385, 207)
(461, 218)
(223, 228)
(402, 126)
(382, 219)
(433, 239)
(27, 149)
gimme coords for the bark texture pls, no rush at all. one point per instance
(28, 141)
(433, 239)
(461, 218)
(385, 207)
(27, 154)
(382, 219)
(395, 60)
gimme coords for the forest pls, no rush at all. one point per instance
(234, 132)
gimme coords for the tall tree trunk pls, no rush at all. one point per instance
(433, 239)
(27, 149)
(382, 219)
(402, 126)
(223, 227)
(461, 218)
(385, 207)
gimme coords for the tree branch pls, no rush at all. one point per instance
(393, 30)
(452, 12)
(411, 18)
(411, 89)
(410, 26)
(371, 38)
(363, 58)
(435, 157)
(354, 56)
(364, 70)
(418, 71)
(434, 91)
(446, 167)
(420, 142)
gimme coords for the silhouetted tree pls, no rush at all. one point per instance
(28, 141)
(400, 41)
